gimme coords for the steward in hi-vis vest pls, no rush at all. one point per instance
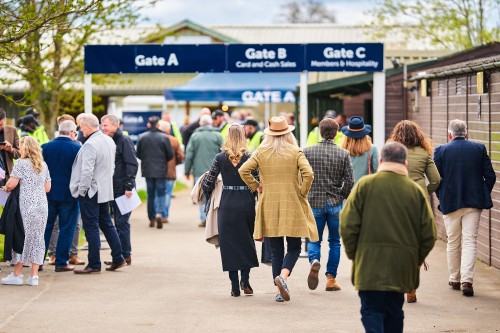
(254, 136)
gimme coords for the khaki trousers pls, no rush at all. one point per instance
(461, 229)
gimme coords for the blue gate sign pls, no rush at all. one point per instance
(144, 58)
(351, 57)
(136, 122)
(265, 58)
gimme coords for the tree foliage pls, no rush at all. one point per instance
(42, 43)
(452, 24)
(306, 11)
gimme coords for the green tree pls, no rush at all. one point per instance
(42, 43)
(452, 24)
(306, 11)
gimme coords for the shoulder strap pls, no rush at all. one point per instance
(369, 162)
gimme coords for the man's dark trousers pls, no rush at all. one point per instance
(67, 211)
(96, 216)
(382, 311)
(122, 223)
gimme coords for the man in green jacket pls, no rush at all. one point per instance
(203, 145)
(387, 226)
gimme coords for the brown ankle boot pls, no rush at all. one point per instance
(331, 284)
(411, 297)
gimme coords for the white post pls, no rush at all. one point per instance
(88, 93)
(267, 113)
(379, 109)
(303, 113)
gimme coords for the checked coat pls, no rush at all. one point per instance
(333, 176)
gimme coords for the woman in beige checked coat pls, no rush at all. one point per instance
(283, 209)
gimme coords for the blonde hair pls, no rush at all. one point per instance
(235, 145)
(357, 147)
(31, 149)
(278, 144)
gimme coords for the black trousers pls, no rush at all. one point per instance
(281, 260)
(382, 311)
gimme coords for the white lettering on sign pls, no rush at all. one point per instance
(133, 119)
(142, 60)
(267, 97)
(331, 53)
(252, 53)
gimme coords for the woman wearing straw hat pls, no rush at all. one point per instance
(283, 210)
(364, 155)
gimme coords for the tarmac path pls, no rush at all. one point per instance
(176, 284)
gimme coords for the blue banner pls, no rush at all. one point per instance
(234, 58)
(136, 122)
(367, 57)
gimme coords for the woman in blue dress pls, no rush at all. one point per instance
(236, 215)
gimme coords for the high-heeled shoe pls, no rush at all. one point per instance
(247, 289)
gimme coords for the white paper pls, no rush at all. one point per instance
(126, 205)
(3, 197)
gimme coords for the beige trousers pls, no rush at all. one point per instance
(461, 229)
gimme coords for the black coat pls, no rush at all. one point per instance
(188, 130)
(154, 151)
(11, 225)
(126, 164)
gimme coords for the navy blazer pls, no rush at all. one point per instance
(59, 155)
(467, 176)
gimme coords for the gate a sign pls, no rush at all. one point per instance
(233, 58)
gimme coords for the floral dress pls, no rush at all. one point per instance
(34, 210)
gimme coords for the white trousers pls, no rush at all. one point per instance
(461, 229)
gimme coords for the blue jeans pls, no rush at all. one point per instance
(203, 216)
(327, 216)
(382, 311)
(156, 188)
(122, 223)
(68, 218)
(169, 189)
(96, 216)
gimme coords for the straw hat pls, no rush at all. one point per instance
(356, 128)
(278, 126)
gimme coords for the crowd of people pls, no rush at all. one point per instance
(252, 185)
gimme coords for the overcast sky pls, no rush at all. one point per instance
(218, 12)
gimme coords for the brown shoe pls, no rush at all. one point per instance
(52, 260)
(312, 279)
(128, 260)
(411, 297)
(152, 223)
(114, 267)
(454, 285)
(74, 260)
(159, 223)
(331, 284)
(164, 220)
(467, 289)
(67, 268)
(202, 224)
(87, 270)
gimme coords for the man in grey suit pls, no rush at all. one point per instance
(92, 183)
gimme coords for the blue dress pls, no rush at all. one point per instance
(236, 215)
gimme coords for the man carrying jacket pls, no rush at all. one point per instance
(387, 226)
(123, 179)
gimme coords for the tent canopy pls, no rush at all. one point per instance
(245, 87)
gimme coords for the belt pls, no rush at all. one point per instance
(236, 188)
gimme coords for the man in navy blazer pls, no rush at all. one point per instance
(467, 179)
(59, 155)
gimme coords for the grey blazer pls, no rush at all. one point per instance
(93, 168)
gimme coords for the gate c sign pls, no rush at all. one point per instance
(235, 58)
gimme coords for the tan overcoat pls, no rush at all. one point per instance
(283, 209)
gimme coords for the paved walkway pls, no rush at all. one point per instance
(176, 285)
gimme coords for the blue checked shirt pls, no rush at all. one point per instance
(333, 177)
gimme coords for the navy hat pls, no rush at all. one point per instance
(356, 128)
(217, 113)
(29, 119)
(330, 114)
(251, 122)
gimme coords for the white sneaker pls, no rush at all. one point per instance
(13, 280)
(32, 281)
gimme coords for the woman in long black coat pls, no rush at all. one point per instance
(236, 215)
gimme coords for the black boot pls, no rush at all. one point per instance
(245, 283)
(235, 288)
